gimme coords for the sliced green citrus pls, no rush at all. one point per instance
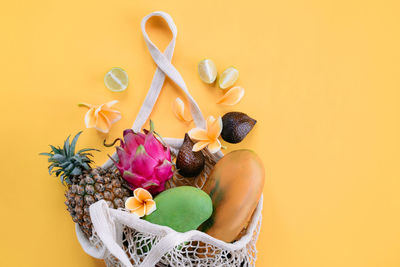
(207, 71)
(228, 78)
(116, 80)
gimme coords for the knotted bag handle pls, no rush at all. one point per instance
(164, 68)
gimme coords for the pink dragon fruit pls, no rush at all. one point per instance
(144, 161)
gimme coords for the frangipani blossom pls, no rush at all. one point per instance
(101, 117)
(208, 137)
(178, 108)
(141, 203)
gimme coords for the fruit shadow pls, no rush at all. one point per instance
(98, 263)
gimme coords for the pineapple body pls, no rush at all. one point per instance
(91, 186)
(85, 185)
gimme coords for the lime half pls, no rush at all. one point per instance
(116, 80)
(228, 78)
(207, 71)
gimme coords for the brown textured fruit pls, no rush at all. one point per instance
(90, 187)
(85, 185)
(189, 163)
(236, 125)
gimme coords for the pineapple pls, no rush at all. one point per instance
(85, 185)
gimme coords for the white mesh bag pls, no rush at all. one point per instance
(123, 239)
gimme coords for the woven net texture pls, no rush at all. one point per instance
(137, 245)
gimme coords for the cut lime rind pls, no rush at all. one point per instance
(207, 71)
(228, 78)
(116, 79)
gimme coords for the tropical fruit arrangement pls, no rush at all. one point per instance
(140, 181)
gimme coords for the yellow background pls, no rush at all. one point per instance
(322, 78)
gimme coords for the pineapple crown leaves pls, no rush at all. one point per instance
(65, 162)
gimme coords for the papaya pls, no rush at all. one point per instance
(182, 208)
(235, 186)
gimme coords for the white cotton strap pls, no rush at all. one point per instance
(163, 246)
(164, 67)
(97, 252)
(105, 228)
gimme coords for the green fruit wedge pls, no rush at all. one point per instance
(228, 78)
(207, 71)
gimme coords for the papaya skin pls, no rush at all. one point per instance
(235, 186)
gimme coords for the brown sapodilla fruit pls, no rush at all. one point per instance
(236, 125)
(189, 163)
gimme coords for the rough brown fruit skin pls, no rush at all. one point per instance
(235, 186)
(189, 163)
(236, 125)
(90, 187)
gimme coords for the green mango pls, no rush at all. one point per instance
(182, 208)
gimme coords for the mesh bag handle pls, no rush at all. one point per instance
(164, 68)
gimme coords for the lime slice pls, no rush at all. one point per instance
(228, 78)
(116, 80)
(207, 71)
